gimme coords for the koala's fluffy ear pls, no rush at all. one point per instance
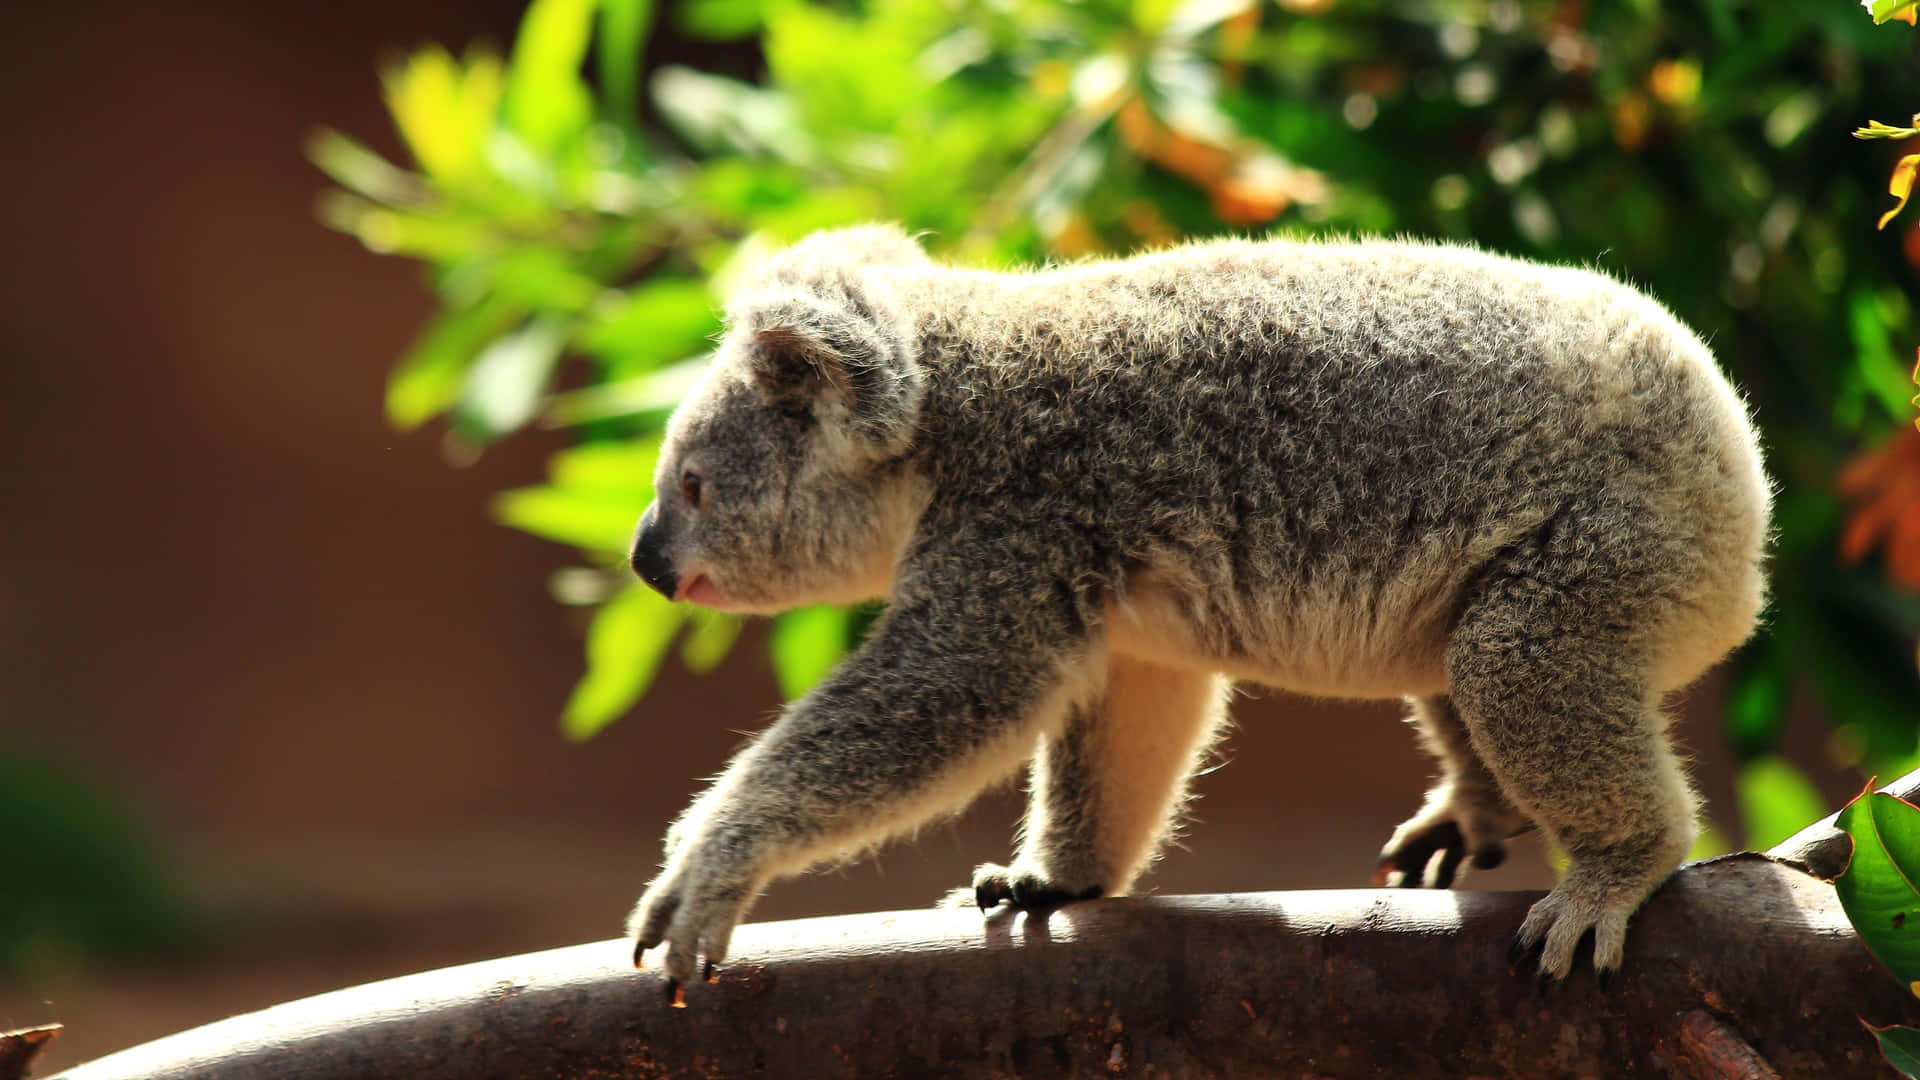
(840, 348)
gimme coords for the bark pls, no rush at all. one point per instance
(1741, 966)
(20, 1047)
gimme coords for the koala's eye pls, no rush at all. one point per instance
(690, 488)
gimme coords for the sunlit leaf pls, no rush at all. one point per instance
(1901, 1047)
(717, 114)
(1885, 10)
(429, 377)
(1878, 887)
(1706, 844)
(424, 234)
(656, 392)
(1900, 186)
(710, 636)
(1877, 130)
(547, 101)
(625, 645)
(806, 644)
(445, 110)
(508, 380)
(360, 170)
(1776, 801)
(621, 469)
(624, 25)
(593, 520)
(662, 320)
(720, 20)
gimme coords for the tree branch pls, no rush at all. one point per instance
(1740, 966)
(19, 1048)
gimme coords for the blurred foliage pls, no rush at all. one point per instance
(78, 878)
(579, 209)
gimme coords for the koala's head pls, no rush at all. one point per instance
(781, 480)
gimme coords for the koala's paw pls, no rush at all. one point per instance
(1557, 922)
(1453, 828)
(692, 908)
(1025, 888)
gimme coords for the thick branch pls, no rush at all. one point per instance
(1740, 964)
(19, 1048)
(1821, 849)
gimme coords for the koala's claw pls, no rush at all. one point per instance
(692, 910)
(1405, 862)
(1025, 890)
(1557, 924)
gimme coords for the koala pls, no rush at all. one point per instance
(1095, 495)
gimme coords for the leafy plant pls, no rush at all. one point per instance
(588, 226)
(1880, 890)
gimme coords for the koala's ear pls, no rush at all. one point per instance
(840, 349)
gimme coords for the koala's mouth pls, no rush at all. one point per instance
(702, 591)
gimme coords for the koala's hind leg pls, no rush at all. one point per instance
(1465, 814)
(1550, 669)
(1107, 787)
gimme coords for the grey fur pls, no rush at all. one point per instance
(1522, 496)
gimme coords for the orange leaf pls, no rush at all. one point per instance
(1916, 382)
(1903, 549)
(1900, 186)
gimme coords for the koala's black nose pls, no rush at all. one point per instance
(649, 558)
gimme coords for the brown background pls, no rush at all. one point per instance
(294, 639)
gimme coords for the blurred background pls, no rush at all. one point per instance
(337, 338)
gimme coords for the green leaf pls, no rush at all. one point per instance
(547, 102)
(708, 641)
(1756, 703)
(624, 25)
(805, 646)
(360, 170)
(596, 521)
(1901, 1046)
(625, 645)
(720, 20)
(1877, 889)
(663, 320)
(1882, 10)
(656, 392)
(445, 111)
(1776, 801)
(508, 380)
(622, 469)
(429, 377)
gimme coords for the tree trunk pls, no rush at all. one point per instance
(1741, 966)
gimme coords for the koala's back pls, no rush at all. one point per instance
(1294, 461)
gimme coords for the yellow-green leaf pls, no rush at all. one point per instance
(547, 102)
(805, 645)
(595, 521)
(1900, 186)
(1776, 801)
(430, 375)
(710, 637)
(508, 379)
(445, 110)
(1885, 10)
(625, 645)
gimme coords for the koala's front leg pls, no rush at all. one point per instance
(947, 697)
